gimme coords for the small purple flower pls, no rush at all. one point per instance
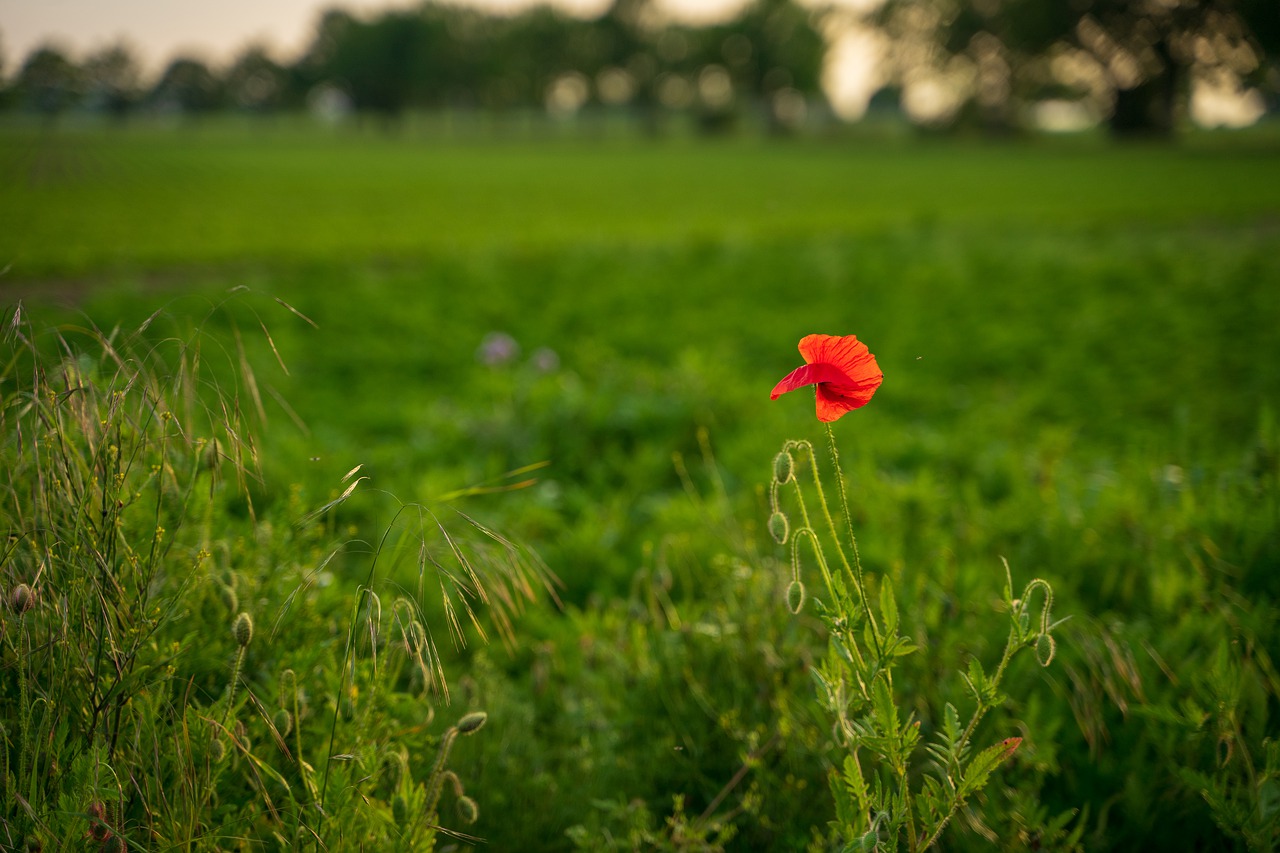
(497, 348)
(545, 360)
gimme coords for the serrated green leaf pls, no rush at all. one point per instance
(886, 711)
(976, 774)
(888, 608)
(855, 812)
(977, 679)
(951, 723)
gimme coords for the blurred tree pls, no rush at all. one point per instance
(112, 81)
(187, 86)
(48, 82)
(255, 82)
(773, 53)
(1135, 59)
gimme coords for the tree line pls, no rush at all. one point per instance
(1132, 63)
(434, 56)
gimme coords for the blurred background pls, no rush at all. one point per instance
(994, 66)
(543, 264)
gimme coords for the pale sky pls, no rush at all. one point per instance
(216, 29)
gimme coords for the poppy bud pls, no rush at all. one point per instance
(283, 721)
(288, 682)
(98, 829)
(1045, 648)
(217, 751)
(468, 810)
(114, 844)
(22, 599)
(471, 722)
(779, 528)
(242, 629)
(783, 467)
(795, 597)
(229, 598)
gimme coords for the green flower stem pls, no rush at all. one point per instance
(855, 572)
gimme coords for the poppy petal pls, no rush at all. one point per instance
(845, 352)
(810, 374)
(834, 401)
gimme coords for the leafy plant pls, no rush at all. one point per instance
(883, 799)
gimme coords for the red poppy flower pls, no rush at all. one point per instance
(844, 370)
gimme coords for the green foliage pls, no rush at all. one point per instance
(137, 703)
(856, 686)
(1079, 377)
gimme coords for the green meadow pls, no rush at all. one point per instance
(220, 323)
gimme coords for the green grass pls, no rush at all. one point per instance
(77, 203)
(1081, 376)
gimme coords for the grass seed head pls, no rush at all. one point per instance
(242, 629)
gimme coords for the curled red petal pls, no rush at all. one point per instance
(846, 352)
(810, 374)
(835, 401)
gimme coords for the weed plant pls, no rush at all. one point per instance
(178, 671)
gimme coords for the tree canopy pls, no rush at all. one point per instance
(1133, 61)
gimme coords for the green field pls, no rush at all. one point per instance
(1082, 375)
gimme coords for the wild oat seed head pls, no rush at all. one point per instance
(242, 629)
(472, 722)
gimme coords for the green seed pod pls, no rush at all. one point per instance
(1045, 649)
(400, 810)
(230, 600)
(779, 528)
(468, 810)
(783, 467)
(22, 599)
(472, 722)
(795, 597)
(283, 721)
(242, 629)
(217, 751)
